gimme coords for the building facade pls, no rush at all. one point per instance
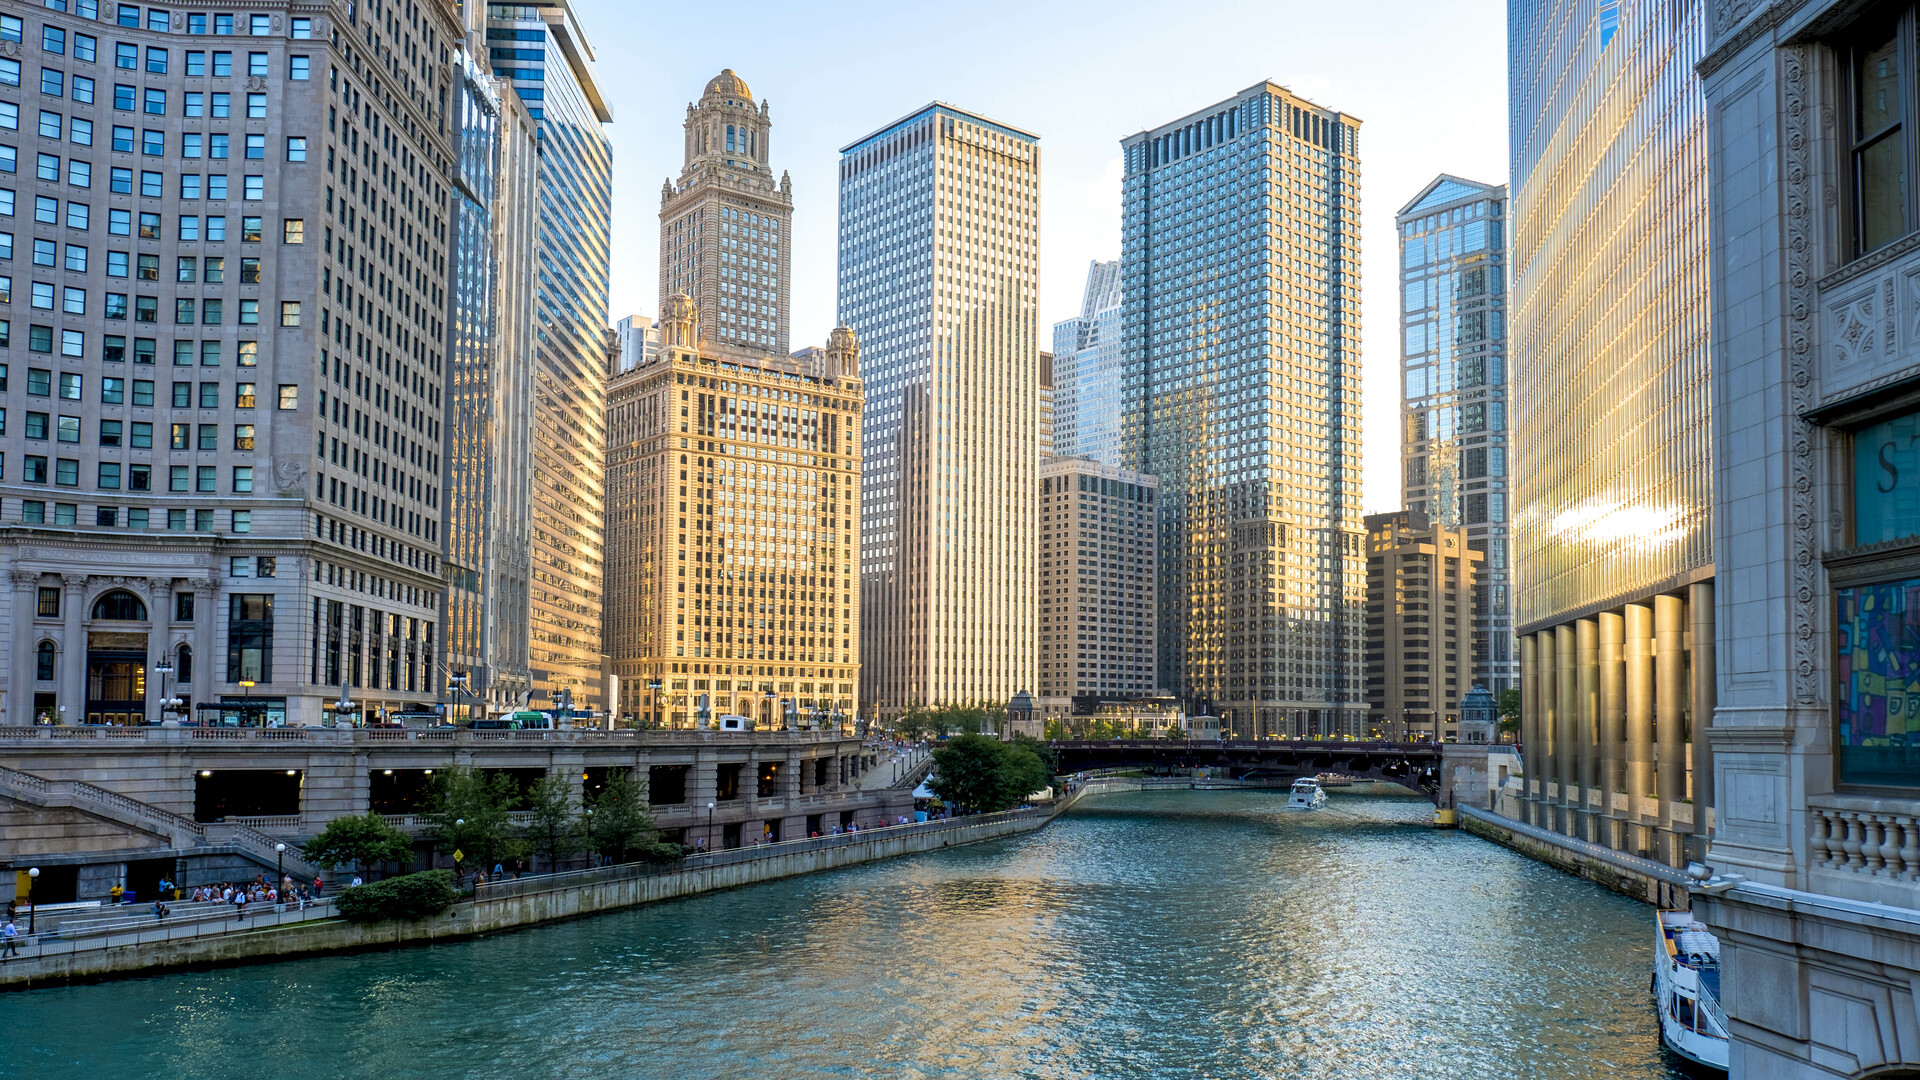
(639, 339)
(1098, 562)
(1815, 778)
(726, 224)
(939, 269)
(1421, 578)
(1086, 350)
(257, 533)
(489, 414)
(1612, 423)
(1043, 436)
(540, 48)
(1453, 405)
(734, 502)
(1240, 275)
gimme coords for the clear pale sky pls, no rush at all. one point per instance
(1427, 80)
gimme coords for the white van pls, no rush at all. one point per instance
(734, 722)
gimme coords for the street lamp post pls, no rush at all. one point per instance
(710, 846)
(653, 687)
(457, 686)
(163, 669)
(33, 877)
(280, 856)
(458, 874)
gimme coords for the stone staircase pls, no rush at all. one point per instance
(177, 831)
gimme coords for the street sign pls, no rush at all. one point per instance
(458, 855)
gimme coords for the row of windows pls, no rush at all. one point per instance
(193, 104)
(175, 519)
(194, 146)
(65, 472)
(158, 20)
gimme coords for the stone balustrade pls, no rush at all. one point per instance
(1870, 842)
(350, 736)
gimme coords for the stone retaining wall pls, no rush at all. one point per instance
(1629, 875)
(142, 955)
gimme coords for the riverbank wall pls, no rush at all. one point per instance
(506, 905)
(1629, 875)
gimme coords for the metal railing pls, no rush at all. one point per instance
(151, 929)
(162, 736)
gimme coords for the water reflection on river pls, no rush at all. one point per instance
(1163, 935)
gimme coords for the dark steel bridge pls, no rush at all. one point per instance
(1415, 766)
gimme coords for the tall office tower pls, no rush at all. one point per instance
(490, 359)
(939, 267)
(540, 47)
(726, 224)
(1043, 431)
(1097, 568)
(251, 498)
(639, 339)
(1421, 574)
(1453, 405)
(733, 502)
(1612, 421)
(1086, 349)
(1240, 271)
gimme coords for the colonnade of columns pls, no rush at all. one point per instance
(1613, 711)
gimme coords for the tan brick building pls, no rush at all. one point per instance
(1419, 626)
(733, 496)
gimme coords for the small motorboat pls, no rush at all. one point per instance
(1306, 795)
(1686, 990)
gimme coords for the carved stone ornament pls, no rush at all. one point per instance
(204, 585)
(159, 587)
(1803, 532)
(26, 577)
(289, 474)
(74, 583)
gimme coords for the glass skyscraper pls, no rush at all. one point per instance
(1453, 405)
(1240, 269)
(939, 267)
(1086, 371)
(540, 47)
(490, 361)
(1612, 420)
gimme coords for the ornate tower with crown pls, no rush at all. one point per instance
(725, 225)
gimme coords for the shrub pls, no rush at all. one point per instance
(409, 896)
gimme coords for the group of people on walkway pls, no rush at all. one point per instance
(259, 890)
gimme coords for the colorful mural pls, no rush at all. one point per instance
(1878, 665)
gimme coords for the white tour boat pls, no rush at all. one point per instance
(1306, 795)
(1686, 990)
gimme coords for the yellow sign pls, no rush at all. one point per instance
(458, 855)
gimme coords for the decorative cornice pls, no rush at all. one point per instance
(1866, 264)
(1728, 14)
(1804, 611)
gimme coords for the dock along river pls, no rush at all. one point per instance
(1153, 935)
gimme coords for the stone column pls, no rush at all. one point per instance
(159, 643)
(1549, 729)
(1587, 723)
(1639, 733)
(1613, 722)
(1700, 712)
(1670, 709)
(1529, 722)
(73, 649)
(26, 590)
(1566, 684)
(205, 655)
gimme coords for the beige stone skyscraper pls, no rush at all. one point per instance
(725, 225)
(939, 266)
(1420, 629)
(733, 493)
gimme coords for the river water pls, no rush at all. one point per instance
(1154, 935)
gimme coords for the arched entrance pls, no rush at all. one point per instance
(117, 660)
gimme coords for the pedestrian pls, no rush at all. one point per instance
(240, 903)
(498, 870)
(160, 910)
(356, 881)
(318, 885)
(9, 940)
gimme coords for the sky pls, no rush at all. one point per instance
(1427, 81)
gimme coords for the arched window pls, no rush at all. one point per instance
(183, 666)
(120, 604)
(729, 138)
(43, 662)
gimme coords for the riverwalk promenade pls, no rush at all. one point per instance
(108, 945)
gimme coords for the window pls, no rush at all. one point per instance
(190, 185)
(196, 62)
(51, 126)
(113, 391)
(243, 522)
(242, 479)
(69, 386)
(78, 214)
(53, 40)
(146, 309)
(9, 72)
(192, 144)
(154, 102)
(299, 68)
(255, 188)
(257, 64)
(210, 354)
(249, 230)
(239, 566)
(1882, 78)
(117, 267)
(289, 396)
(249, 271)
(39, 382)
(47, 167)
(296, 148)
(186, 268)
(36, 469)
(256, 106)
(216, 271)
(183, 609)
(249, 355)
(259, 25)
(153, 143)
(10, 115)
(209, 437)
(179, 478)
(37, 425)
(250, 638)
(217, 186)
(66, 472)
(243, 395)
(126, 57)
(49, 606)
(73, 301)
(108, 478)
(83, 93)
(86, 47)
(216, 229)
(293, 231)
(300, 28)
(151, 184)
(222, 64)
(148, 268)
(77, 258)
(68, 430)
(290, 313)
(206, 479)
(110, 432)
(140, 435)
(256, 147)
(183, 395)
(122, 141)
(209, 395)
(249, 313)
(156, 60)
(149, 226)
(243, 436)
(212, 311)
(217, 144)
(220, 106)
(143, 353)
(183, 309)
(43, 654)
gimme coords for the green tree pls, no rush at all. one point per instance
(467, 812)
(1049, 757)
(1509, 705)
(1023, 773)
(621, 827)
(361, 840)
(553, 831)
(981, 774)
(913, 725)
